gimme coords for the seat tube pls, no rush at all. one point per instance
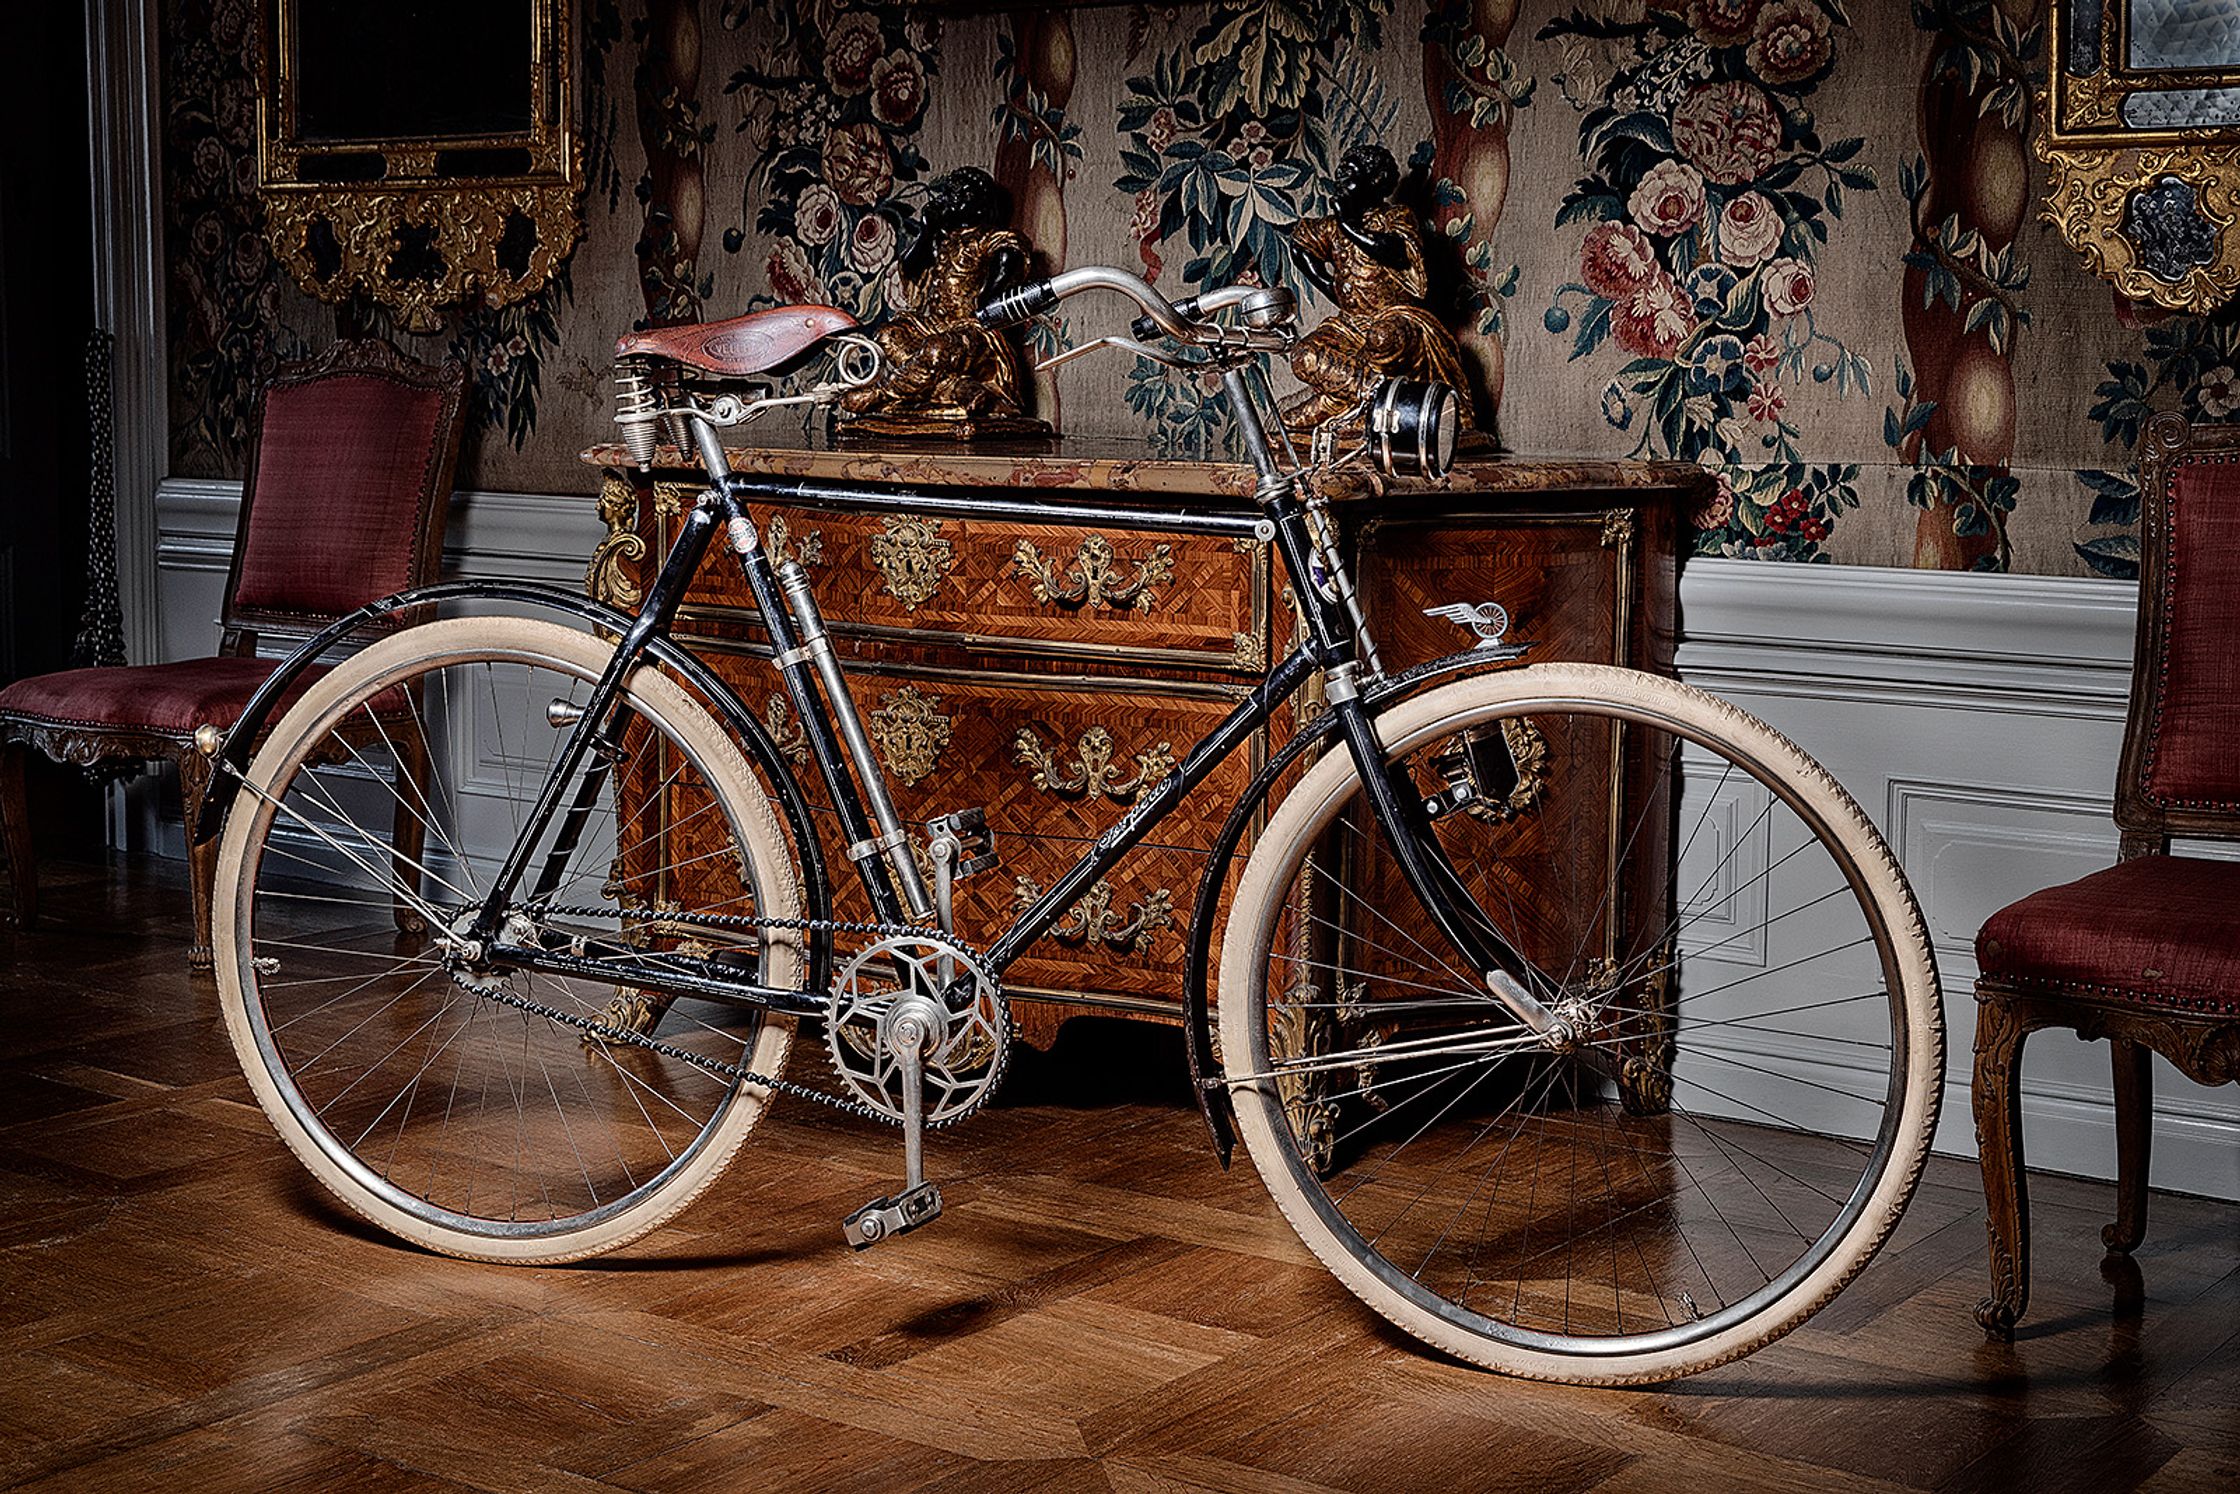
(881, 854)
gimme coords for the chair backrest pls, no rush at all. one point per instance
(2181, 747)
(351, 461)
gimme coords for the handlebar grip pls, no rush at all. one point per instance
(1017, 305)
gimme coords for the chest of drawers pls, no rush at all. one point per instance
(1047, 672)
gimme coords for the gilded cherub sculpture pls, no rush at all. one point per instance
(945, 374)
(1367, 258)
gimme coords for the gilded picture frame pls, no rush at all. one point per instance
(2141, 141)
(419, 169)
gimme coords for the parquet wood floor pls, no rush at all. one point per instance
(1102, 1308)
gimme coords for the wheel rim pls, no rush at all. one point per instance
(454, 1106)
(1452, 1232)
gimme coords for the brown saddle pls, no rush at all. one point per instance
(739, 345)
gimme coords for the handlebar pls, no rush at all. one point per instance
(1037, 296)
(1266, 311)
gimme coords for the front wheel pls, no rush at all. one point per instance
(481, 1111)
(1748, 1082)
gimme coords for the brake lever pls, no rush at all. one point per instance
(1115, 340)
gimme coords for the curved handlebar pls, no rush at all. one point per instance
(1037, 296)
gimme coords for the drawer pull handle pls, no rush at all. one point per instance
(911, 734)
(913, 557)
(1090, 580)
(789, 736)
(1094, 918)
(806, 549)
(1092, 772)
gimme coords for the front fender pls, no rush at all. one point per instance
(1197, 1023)
(752, 736)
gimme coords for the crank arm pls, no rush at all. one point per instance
(919, 1202)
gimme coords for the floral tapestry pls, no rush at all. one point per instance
(1795, 241)
(1710, 196)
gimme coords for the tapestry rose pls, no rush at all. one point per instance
(1761, 354)
(816, 216)
(871, 245)
(1788, 286)
(1654, 320)
(1790, 42)
(1730, 130)
(1618, 260)
(1669, 199)
(858, 164)
(2220, 393)
(1749, 230)
(789, 274)
(1723, 23)
(1767, 402)
(1718, 508)
(851, 48)
(898, 90)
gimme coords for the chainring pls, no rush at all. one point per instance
(966, 1067)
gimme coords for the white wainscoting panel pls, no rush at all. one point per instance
(1977, 719)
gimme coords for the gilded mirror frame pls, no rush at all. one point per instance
(2148, 198)
(422, 224)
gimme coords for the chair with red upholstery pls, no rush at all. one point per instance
(2147, 953)
(349, 478)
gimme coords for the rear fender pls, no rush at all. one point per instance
(747, 730)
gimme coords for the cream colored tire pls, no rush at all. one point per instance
(1910, 1008)
(514, 643)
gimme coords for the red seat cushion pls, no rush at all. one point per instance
(167, 698)
(2161, 930)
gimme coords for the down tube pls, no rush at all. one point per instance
(1129, 830)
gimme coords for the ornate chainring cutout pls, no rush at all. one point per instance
(967, 1061)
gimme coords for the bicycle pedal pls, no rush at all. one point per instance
(884, 1218)
(975, 842)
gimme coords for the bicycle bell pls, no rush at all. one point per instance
(1268, 307)
(1412, 428)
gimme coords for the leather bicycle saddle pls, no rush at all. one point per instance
(740, 345)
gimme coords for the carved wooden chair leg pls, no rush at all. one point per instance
(408, 837)
(15, 830)
(1997, 1091)
(202, 859)
(2134, 1093)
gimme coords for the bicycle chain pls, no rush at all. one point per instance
(716, 1067)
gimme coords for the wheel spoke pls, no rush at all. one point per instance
(1649, 1182)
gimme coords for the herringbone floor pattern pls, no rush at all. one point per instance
(1101, 1309)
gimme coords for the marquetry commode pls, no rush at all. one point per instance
(1046, 672)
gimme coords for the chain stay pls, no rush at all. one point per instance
(715, 1067)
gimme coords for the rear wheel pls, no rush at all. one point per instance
(1752, 1079)
(490, 1112)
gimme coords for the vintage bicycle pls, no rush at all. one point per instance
(1628, 1140)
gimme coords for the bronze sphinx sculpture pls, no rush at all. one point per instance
(1367, 258)
(945, 374)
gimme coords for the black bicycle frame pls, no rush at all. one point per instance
(1330, 647)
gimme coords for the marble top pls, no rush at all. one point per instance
(1086, 464)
